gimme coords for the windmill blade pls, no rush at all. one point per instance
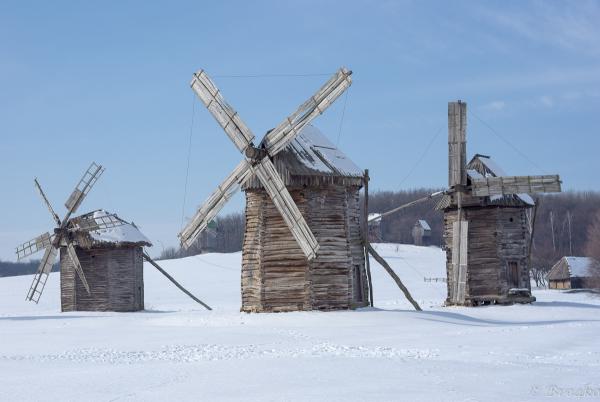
(225, 115)
(39, 188)
(89, 178)
(90, 223)
(275, 187)
(77, 265)
(285, 132)
(502, 185)
(214, 203)
(33, 246)
(39, 279)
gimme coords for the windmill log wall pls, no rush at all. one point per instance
(115, 276)
(276, 276)
(498, 238)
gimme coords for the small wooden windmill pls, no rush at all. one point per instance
(487, 229)
(487, 223)
(294, 174)
(101, 256)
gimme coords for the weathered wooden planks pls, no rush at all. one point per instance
(276, 276)
(115, 276)
(497, 236)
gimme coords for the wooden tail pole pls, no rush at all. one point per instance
(366, 237)
(169, 277)
(390, 271)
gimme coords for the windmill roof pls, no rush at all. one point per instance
(119, 233)
(571, 267)
(423, 223)
(487, 167)
(374, 217)
(312, 158)
(316, 154)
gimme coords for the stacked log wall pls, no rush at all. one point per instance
(114, 275)
(276, 276)
(496, 236)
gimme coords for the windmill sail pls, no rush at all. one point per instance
(289, 128)
(225, 115)
(214, 203)
(489, 186)
(84, 186)
(33, 246)
(41, 276)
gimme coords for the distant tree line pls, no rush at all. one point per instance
(225, 234)
(8, 268)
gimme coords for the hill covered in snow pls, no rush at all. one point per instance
(176, 350)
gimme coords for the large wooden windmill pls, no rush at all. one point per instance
(293, 169)
(487, 226)
(101, 256)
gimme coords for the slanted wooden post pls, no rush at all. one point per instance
(396, 278)
(366, 236)
(169, 277)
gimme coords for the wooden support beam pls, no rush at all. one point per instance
(169, 277)
(366, 236)
(390, 271)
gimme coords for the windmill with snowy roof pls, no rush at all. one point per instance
(302, 246)
(101, 256)
(488, 224)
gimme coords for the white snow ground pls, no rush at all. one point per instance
(176, 350)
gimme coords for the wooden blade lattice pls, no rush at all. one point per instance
(502, 185)
(82, 189)
(288, 129)
(33, 246)
(225, 115)
(214, 203)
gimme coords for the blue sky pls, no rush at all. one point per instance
(108, 81)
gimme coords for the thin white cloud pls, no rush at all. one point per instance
(546, 101)
(494, 106)
(571, 26)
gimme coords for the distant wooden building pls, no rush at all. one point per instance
(574, 273)
(276, 275)
(421, 233)
(112, 262)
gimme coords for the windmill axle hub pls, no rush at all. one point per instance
(255, 154)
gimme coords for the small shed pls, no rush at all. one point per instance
(375, 234)
(276, 275)
(574, 273)
(421, 233)
(112, 262)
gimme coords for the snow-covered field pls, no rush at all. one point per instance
(176, 350)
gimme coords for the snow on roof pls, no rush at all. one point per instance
(494, 170)
(315, 152)
(424, 224)
(124, 233)
(374, 217)
(580, 266)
